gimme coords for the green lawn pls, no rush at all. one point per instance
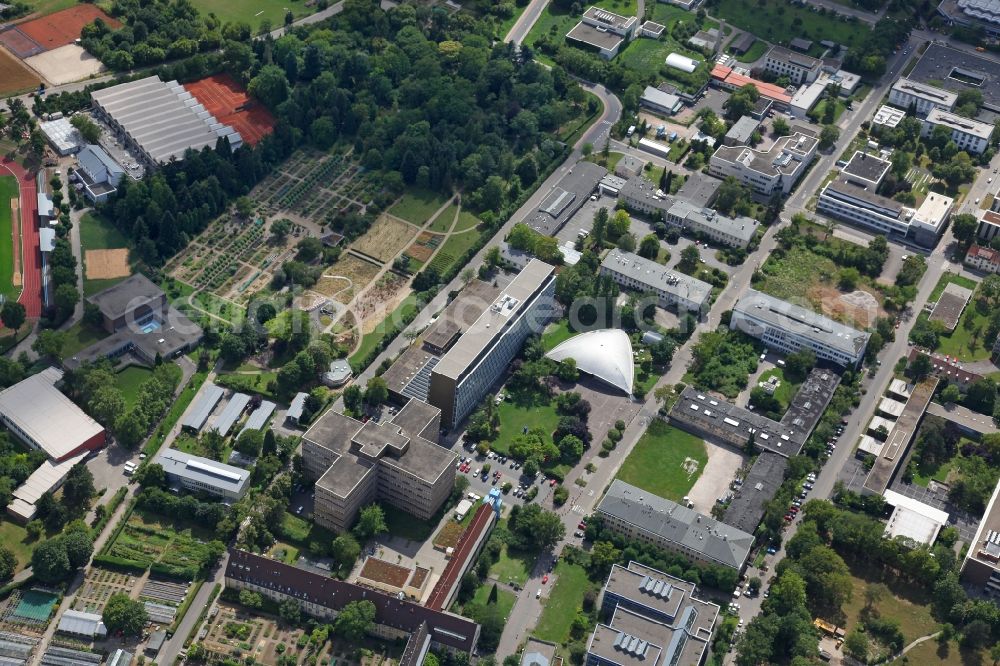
(418, 205)
(79, 336)
(505, 598)
(8, 191)
(556, 333)
(906, 603)
(785, 391)
(467, 220)
(442, 223)
(91, 287)
(453, 250)
(645, 55)
(97, 233)
(666, 461)
(774, 20)
(49, 6)
(794, 274)
(968, 341)
(300, 533)
(15, 537)
(130, 379)
(819, 111)
(565, 599)
(523, 410)
(402, 524)
(512, 567)
(754, 53)
(253, 11)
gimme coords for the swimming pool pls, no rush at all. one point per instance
(150, 326)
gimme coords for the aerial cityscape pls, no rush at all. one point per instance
(499, 333)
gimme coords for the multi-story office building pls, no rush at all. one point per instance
(982, 562)
(767, 172)
(642, 196)
(798, 67)
(603, 31)
(849, 202)
(922, 97)
(866, 170)
(789, 328)
(639, 515)
(204, 475)
(983, 258)
(650, 617)
(673, 289)
(971, 136)
(395, 461)
(474, 363)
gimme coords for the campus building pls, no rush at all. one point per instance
(98, 173)
(989, 225)
(714, 418)
(922, 97)
(159, 121)
(728, 79)
(956, 70)
(849, 202)
(641, 516)
(798, 67)
(982, 561)
(42, 417)
(771, 171)
(649, 617)
(203, 475)
(642, 196)
(323, 597)
(464, 374)
(141, 322)
(983, 258)
(788, 328)
(603, 31)
(673, 289)
(661, 102)
(971, 136)
(396, 461)
(865, 170)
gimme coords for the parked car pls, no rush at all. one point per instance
(552, 482)
(578, 534)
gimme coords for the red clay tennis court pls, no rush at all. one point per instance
(225, 99)
(62, 28)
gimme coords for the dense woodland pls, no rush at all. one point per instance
(423, 97)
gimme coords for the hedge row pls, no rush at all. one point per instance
(120, 563)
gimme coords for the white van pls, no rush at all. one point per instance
(130, 468)
(538, 594)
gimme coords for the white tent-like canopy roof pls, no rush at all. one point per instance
(606, 354)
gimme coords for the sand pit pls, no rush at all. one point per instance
(65, 64)
(104, 264)
(15, 232)
(385, 238)
(859, 308)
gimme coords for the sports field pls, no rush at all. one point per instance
(252, 11)
(8, 191)
(229, 102)
(64, 27)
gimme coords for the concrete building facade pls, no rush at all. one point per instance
(922, 97)
(971, 136)
(673, 289)
(767, 172)
(798, 67)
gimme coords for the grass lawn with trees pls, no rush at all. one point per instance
(253, 12)
(418, 205)
(786, 390)
(556, 333)
(523, 410)
(661, 462)
(779, 21)
(512, 567)
(505, 598)
(968, 341)
(8, 191)
(758, 49)
(15, 537)
(908, 604)
(563, 603)
(97, 233)
(81, 335)
(130, 379)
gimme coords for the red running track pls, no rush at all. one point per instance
(31, 260)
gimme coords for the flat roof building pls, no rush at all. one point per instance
(475, 361)
(971, 136)
(989, 225)
(950, 305)
(982, 561)
(741, 132)
(774, 170)
(41, 416)
(46, 479)
(888, 117)
(62, 136)
(603, 31)
(205, 403)
(395, 461)
(713, 417)
(956, 70)
(99, 174)
(203, 475)
(788, 328)
(866, 170)
(912, 519)
(673, 289)
(258, 418)
(798, 67)
(746, 509)
(566, 198)
(658, 101)
(924, 98)
(159, 121)
(652, 618)
(639, 515)
(79, 623)
(849, 202)
(231, 413)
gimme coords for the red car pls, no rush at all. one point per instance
(552, 482)
(545, 579)
(581, 526)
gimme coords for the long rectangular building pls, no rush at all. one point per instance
(850, 202)
(41, 416)
(673, 289)
(204, 475)
(639, 515)
(922, 97)
(396, 461)
(969, 135)
(323, 597)
(159, 120)
(788, 328)
(466, 372)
